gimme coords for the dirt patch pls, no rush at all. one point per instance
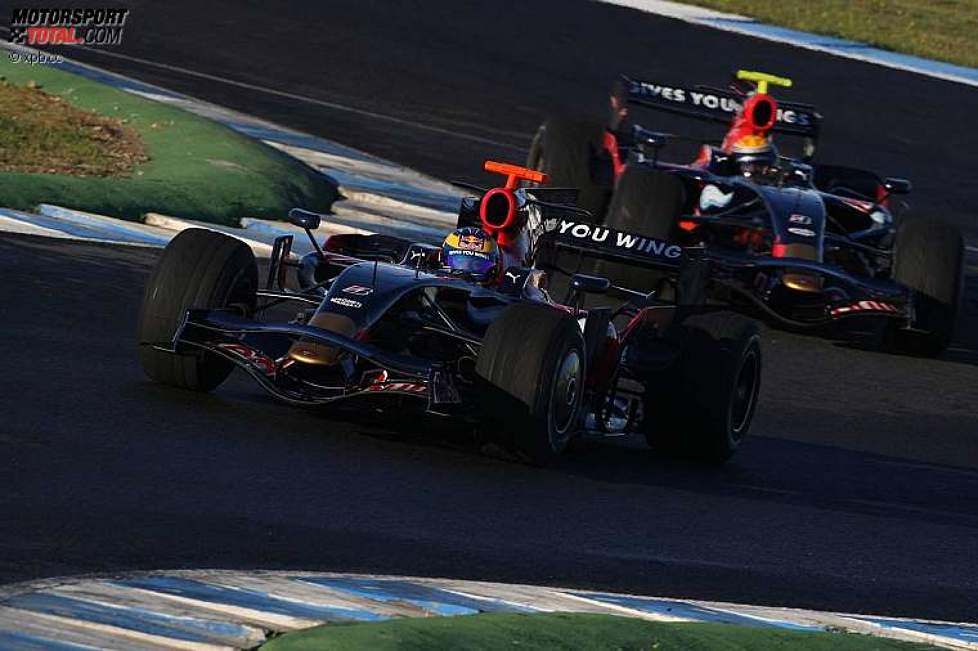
(43, 134)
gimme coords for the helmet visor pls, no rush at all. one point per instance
(465, 261)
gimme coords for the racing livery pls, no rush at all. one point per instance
(467, 330)
(803, 243)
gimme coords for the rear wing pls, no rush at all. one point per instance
(715, 104)
(554, 222)
(562, 227)
(596, 241)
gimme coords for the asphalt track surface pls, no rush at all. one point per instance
(858, 491)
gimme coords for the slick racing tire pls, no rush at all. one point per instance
(646, 202)
(929, 259)
(702, 407)
(572, 153)
(198, 269)
(532, 371)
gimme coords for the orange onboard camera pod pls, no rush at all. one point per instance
(498, 208)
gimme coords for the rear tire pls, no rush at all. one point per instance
(572, 153)
(532, 366)
(703, 406)
(929, 259)
(198, 269)
(646, 202)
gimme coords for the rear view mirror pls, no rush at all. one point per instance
(654, 139)
(894, 185)
(305, 219)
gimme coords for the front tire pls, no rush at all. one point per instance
(703, 406)
(929, 259)
(198, 269)
(532, 367)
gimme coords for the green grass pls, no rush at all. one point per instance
(42, 133)
(568, 631)
(946, 30)
(196, 168)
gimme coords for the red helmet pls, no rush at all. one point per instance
(754, 155)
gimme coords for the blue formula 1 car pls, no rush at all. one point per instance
(399, 325)
(801, 243)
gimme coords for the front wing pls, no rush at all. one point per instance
(258, 348)
(841, 295)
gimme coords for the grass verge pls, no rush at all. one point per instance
(42, 133)
(943, 30)
(568, 631)
(196, 168)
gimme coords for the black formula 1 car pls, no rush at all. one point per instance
(382, 320)
(803, 243)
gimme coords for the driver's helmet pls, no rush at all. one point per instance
(472, 253)
(755, 156)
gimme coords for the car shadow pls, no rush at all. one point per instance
(786, 471)
(964, 346)
(766, 469)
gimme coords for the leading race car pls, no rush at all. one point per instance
(803, 243)
(467, 330)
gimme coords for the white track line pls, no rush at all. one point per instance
(829, 44)
(302, 98)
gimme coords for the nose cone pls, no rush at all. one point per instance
(801, 281)
(310, 352)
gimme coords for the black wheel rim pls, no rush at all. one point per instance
(565, 396)
(744, 394)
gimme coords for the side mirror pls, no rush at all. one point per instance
(421, 256)
(305, 219)
(585, 284)
(894, 185)
(654, 139)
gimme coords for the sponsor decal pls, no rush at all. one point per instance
(476, 254)
(800, 219)
(647, 89)
(711, 101)
(413, 388)
(534, 222)
(618, 239)
(803, 232)
(789, 116)
(358, 290)
(866, 306)
(469, 239)
(515, 277)
(92, 26)
(346, 302)
(471, 242)
(252, 356)
(714, 197)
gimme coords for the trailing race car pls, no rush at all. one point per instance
(804, 244)
(467, 330)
